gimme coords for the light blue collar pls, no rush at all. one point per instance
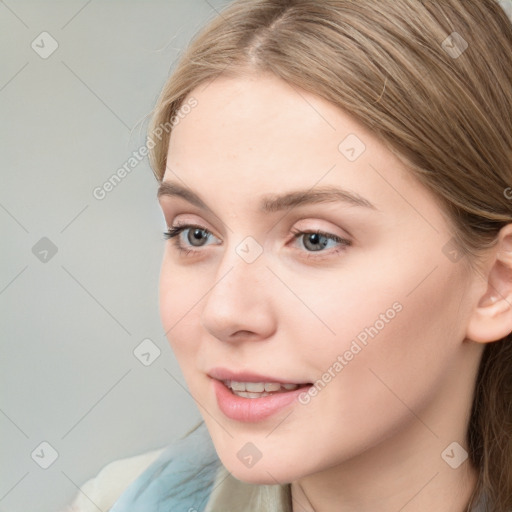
(180, 479)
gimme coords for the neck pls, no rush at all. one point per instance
(399, 487)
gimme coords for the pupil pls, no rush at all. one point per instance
(197, 236)
(315, 242)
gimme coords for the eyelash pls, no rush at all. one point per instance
(174, 232)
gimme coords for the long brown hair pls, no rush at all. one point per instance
(433, 80)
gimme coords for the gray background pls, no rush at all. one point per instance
(70, 321)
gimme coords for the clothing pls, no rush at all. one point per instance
(102, 491)
(507, 7)
(187, 476)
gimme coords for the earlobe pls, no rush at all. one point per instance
(491, 319)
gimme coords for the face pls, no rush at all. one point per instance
(304, 253)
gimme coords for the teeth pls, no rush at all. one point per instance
(257, 389)
(236, 386)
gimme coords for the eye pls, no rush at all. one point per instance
(186, 236)
(317, 241)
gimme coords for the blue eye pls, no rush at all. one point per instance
(194, 237)
(316, 241)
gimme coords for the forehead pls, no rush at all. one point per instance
(258, 134)
(255, 113)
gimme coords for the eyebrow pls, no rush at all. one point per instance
(274, 202)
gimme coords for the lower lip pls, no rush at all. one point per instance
(253, 409)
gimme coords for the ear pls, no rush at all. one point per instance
(491, 319)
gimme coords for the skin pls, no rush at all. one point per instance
(372, 438)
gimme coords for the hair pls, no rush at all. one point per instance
(446, 115)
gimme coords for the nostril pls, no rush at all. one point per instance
(242, 333)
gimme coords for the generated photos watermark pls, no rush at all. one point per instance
(356, 346)
(100, 192)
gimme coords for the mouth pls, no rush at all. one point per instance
(257, 399)
(260, 389)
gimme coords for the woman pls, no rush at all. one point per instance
(337, 283)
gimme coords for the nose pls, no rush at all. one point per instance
(238, 305)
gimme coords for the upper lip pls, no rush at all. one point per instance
(226, 374)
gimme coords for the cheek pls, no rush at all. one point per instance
(394, 345)
(332, 314)
(362, 401)
(179, 296)
(168, 297)
(387, 309)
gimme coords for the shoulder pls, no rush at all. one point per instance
(105, 488)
